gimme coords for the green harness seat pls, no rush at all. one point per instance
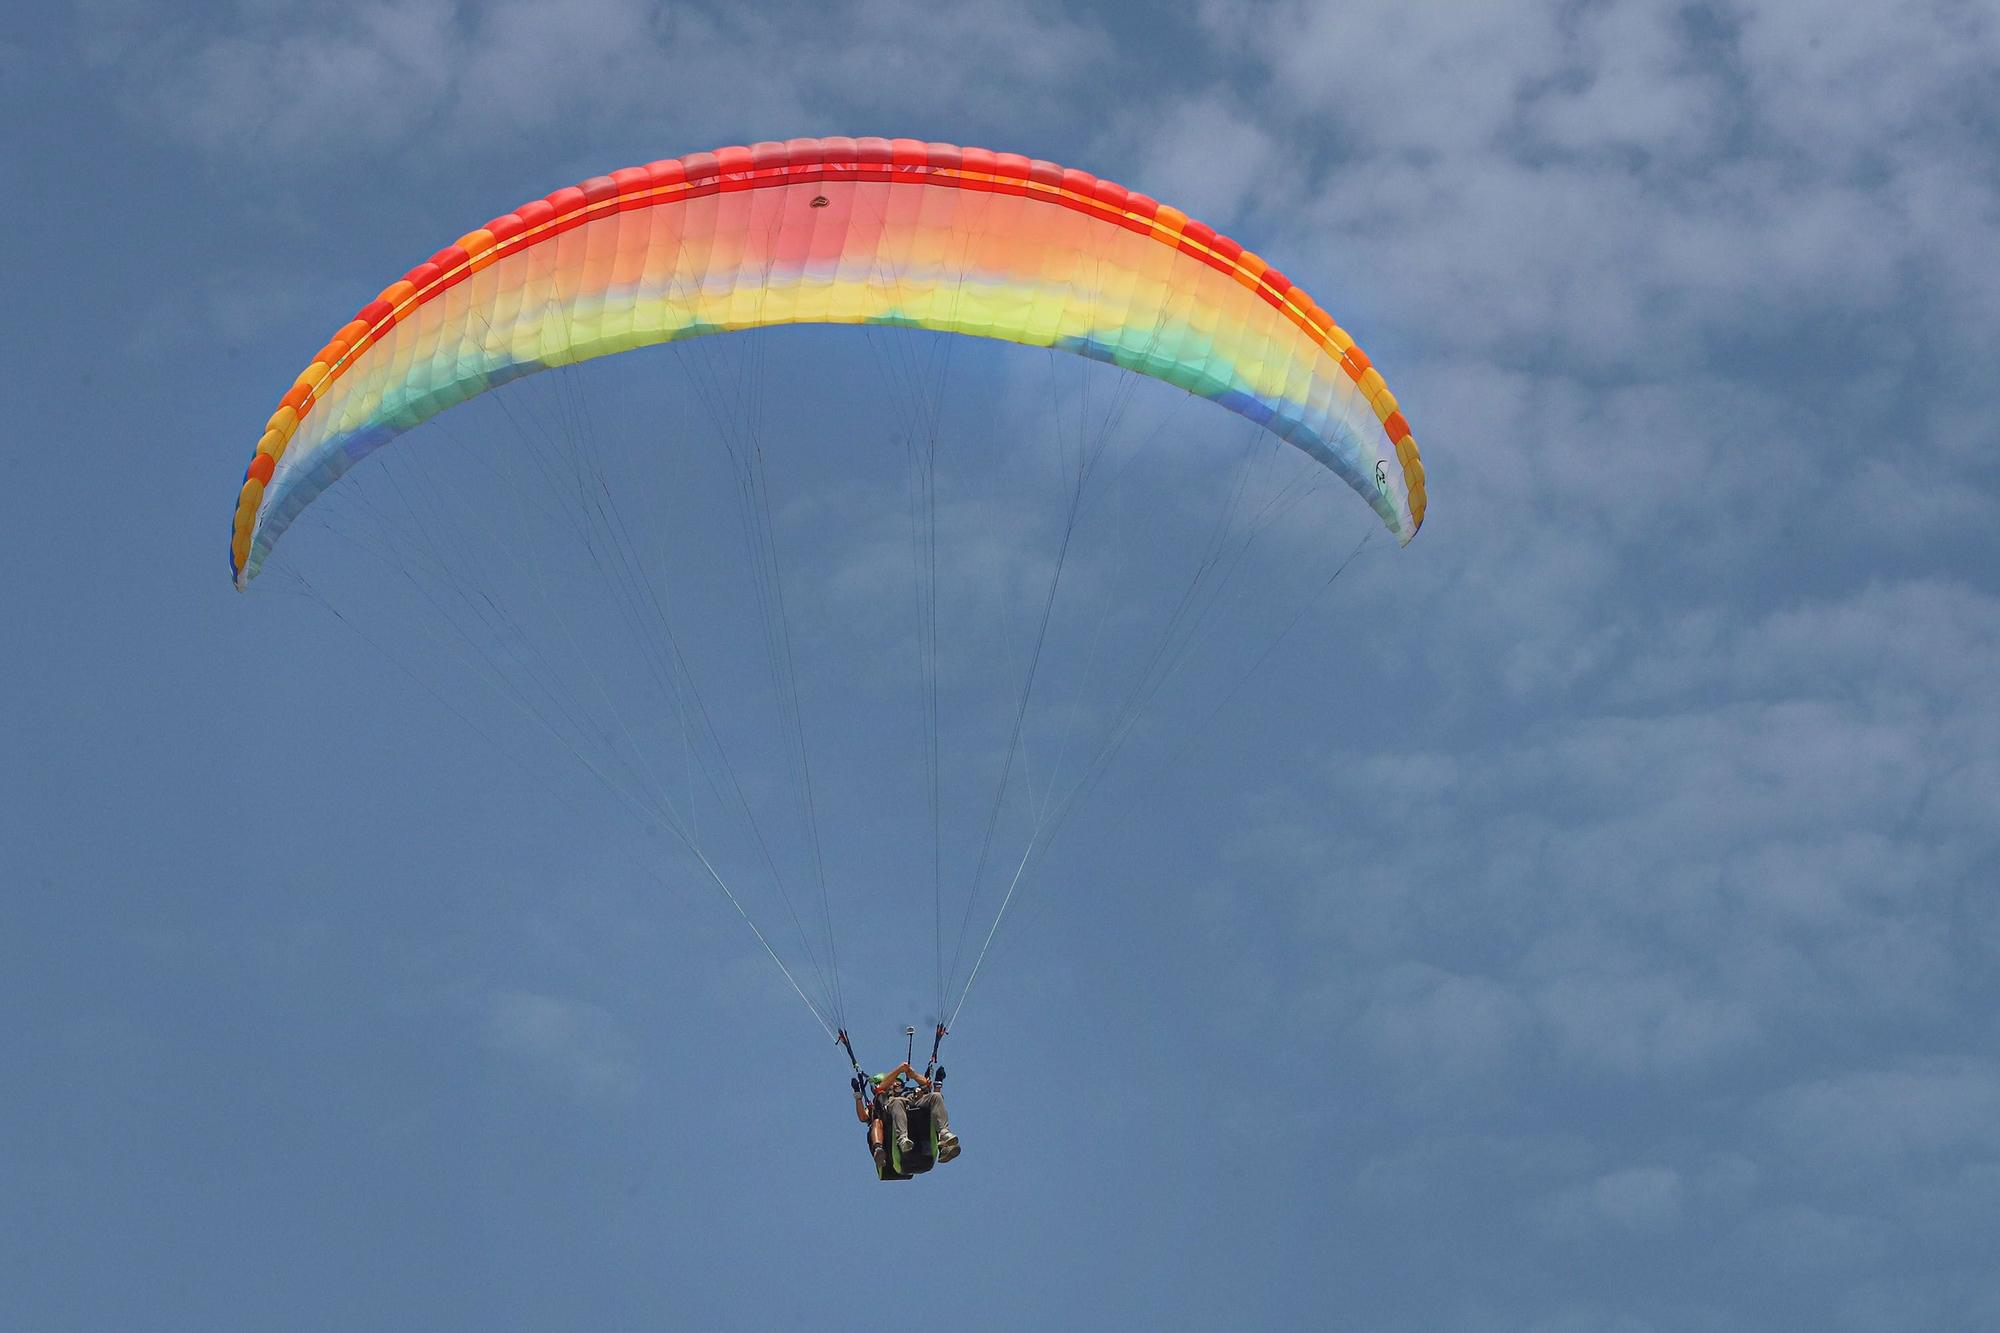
(900, 1165)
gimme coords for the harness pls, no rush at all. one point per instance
(893, 1166)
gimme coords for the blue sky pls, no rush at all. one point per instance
(1585, 919)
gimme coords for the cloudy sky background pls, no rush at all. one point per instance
(1616, 951)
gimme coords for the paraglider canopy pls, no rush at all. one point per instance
(834, 231)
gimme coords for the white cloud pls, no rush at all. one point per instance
(1839, 81)
(1656, 1023)
(1443, 1029)
(1398, 77)
(1900, 1119)
(1637, 1198)
(302, 90)
(575, 1045)
(1213, 160)
(1806, 1238)
(1763, 826)
(1631, 82)
(1921, 639)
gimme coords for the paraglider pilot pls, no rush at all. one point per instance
(885, 1108)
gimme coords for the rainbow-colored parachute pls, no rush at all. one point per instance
(834, 231)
